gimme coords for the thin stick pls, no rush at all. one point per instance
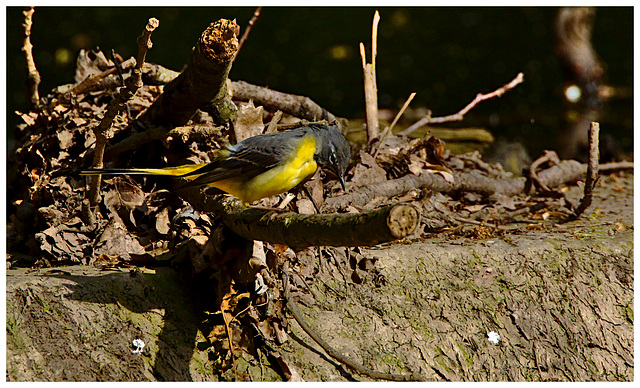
(33, 80)
(611, 167)
(227, 318)
(388, 129)
(374, 45)
(370, 83)
(94, 79)
(361, 369)
(118, 65)
(104, 130)
(460, 115)
(592, 170)
(253, 20)
(533, 180)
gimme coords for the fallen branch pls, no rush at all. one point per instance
(460, 115)
(299, 106)
(564, 172)
(33, 80)
(388, 188)
(299, 231)
(361, 369)
(611, 167)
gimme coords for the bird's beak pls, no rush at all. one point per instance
(341, 178)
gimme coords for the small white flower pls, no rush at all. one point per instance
(138, 344)
(493, 337)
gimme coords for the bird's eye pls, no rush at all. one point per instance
(332, 158)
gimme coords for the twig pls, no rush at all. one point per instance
(104, 130)
(117, 60)
(533, 181)
(253, 20)
(592, 171)
(118, 65)
(388, 129)
(33, 80)
(93, 79)
(361, 369)
(370, 85)
(228, 318)
(611, 167)
(460, 115)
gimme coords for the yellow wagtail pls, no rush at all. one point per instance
(263, 165)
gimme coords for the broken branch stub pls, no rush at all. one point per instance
(202, 85)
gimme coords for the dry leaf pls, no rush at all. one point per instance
(249, 122)
(65, 138)
(163, 223)
(28, 118)
(368, 171)
(305, 206)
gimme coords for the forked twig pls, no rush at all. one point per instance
(460, 115)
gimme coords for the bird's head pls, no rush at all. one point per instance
(333, 152)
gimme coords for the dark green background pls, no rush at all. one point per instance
(446, 55)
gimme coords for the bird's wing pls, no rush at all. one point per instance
(246, 159)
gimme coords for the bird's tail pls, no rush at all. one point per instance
(187, 170)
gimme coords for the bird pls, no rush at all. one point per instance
(264, 165)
